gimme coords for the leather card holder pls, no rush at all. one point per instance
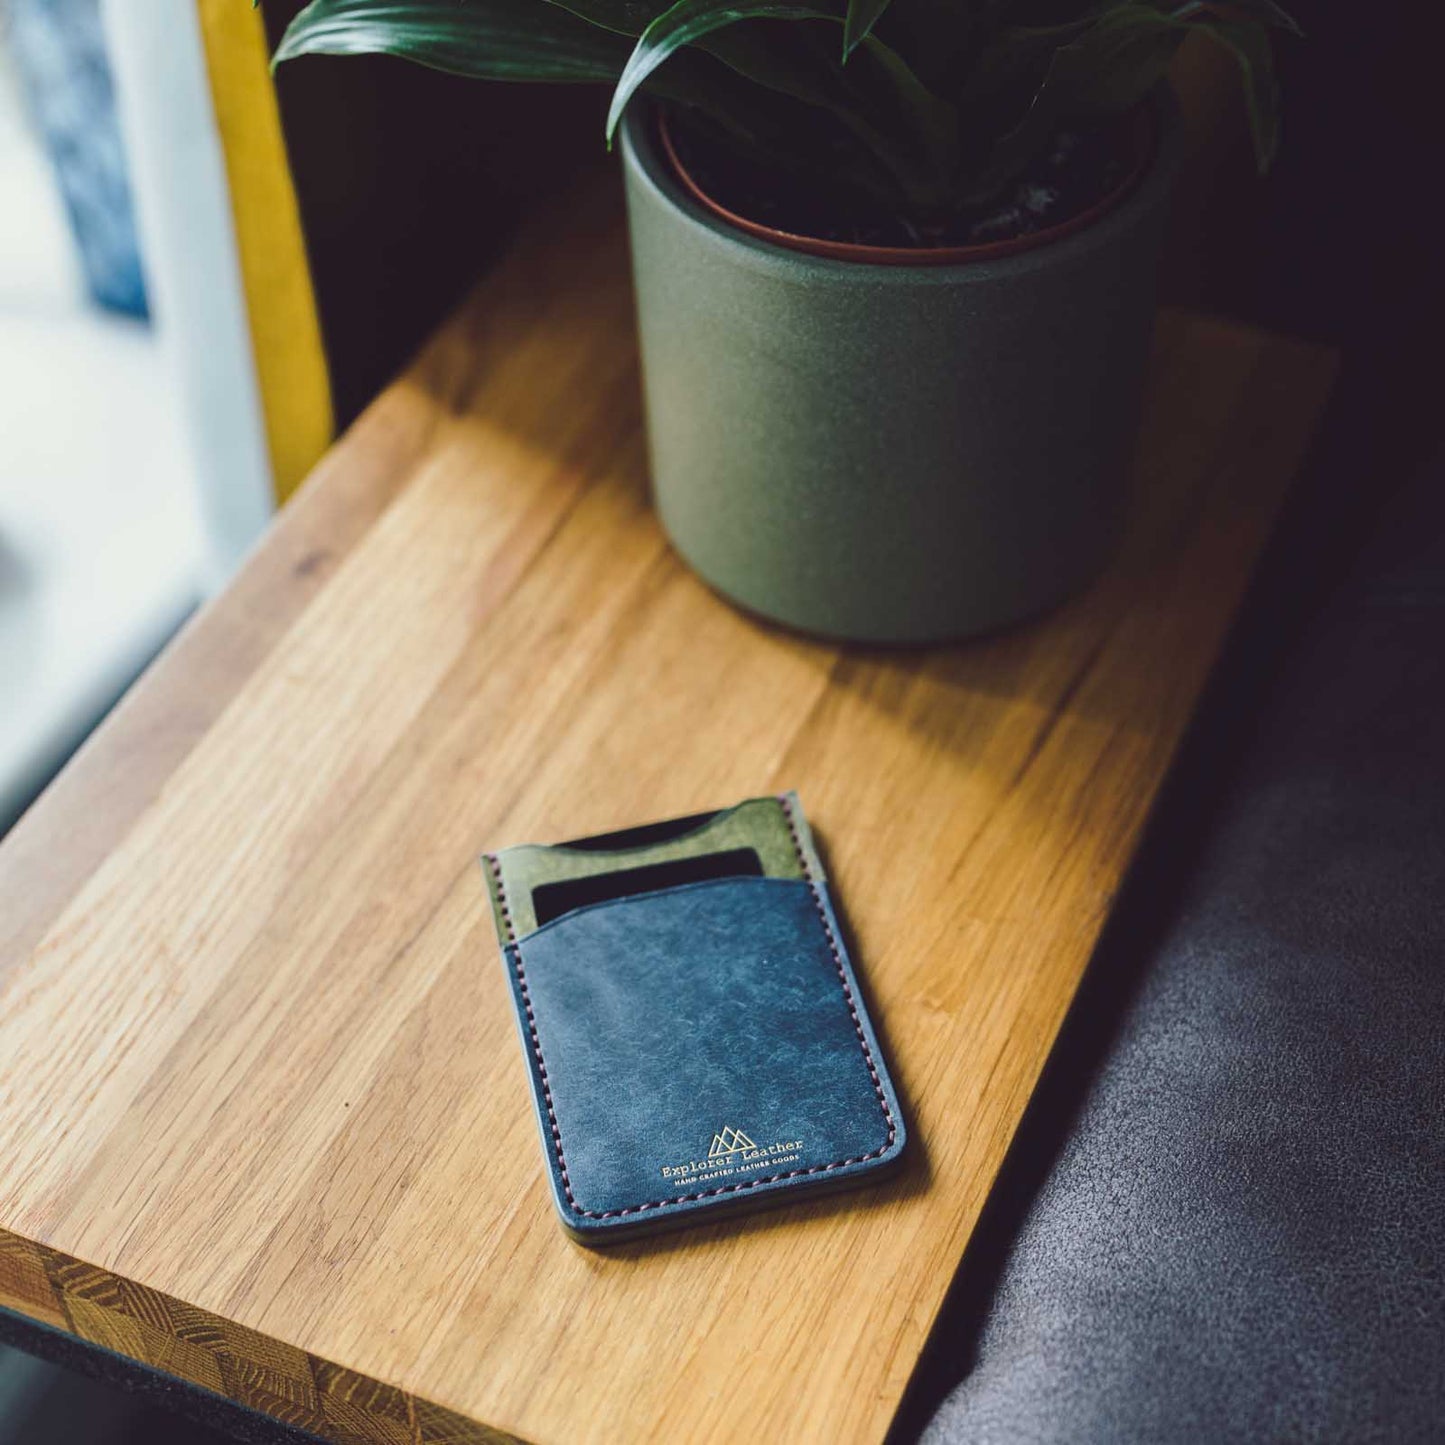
(694, 1033)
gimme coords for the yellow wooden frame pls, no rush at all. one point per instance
(291, 370)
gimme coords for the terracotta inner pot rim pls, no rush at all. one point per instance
(1147, 129)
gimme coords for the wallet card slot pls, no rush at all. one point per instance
(762, 827)
(645, 835)
(552, 900)
(624, 901)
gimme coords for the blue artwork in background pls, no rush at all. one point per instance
(59, 47)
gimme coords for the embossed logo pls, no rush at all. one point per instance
(733, 1152)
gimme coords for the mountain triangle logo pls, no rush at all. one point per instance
(729, 1141)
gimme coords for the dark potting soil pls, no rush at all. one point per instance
(1077, 170)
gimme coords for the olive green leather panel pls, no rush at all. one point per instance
(776, 831)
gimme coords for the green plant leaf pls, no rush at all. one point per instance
(950, 101)
(1018, 56)
(687, 22)
(494, 40)
(932, 119)
(1248, 42)
(622, 17)
(940, 38)
(533, 40)
(868, 104)
(858, 24)
(919, 151)
(777, 58)
(1116, 62)
(1105, 68)
(802, 142)
(1265, 11)
(759, 53)
(1268, 13)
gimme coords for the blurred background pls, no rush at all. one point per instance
(203, 276)
(99, 550)
(191, 307)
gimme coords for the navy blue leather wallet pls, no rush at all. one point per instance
(693, 1030)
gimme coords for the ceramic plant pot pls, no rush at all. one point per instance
(885, 452)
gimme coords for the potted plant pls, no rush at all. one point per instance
(894, 263)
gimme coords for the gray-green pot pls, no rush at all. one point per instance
(890, 453)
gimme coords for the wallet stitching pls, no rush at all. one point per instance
(514, 945)
(837, 953)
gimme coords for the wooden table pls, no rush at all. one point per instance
(263, 1118)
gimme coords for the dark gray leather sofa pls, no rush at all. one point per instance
(1240, 1234)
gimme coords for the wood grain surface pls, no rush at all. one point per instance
(263, 1116)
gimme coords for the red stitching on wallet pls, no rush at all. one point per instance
(515, 945)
